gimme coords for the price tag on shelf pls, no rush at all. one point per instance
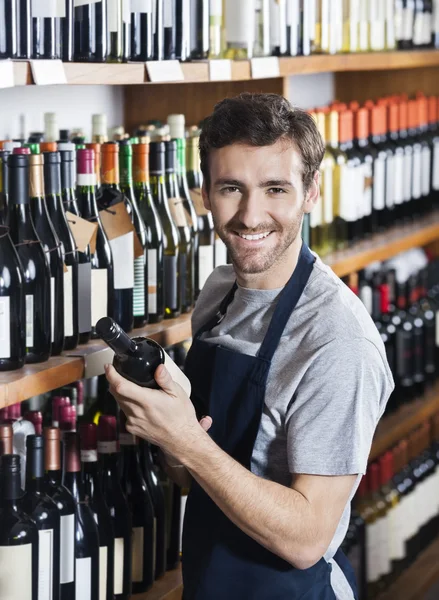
(265, 68)
(48, 72)
(84, 232)
(220, 70)
(162, 71)
(6, 73)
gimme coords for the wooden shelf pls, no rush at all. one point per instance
(170, 587)
(85, 361)
(384, 246)
(417, 580)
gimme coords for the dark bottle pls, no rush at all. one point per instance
(404, 342)
(169, 30)
(171, 236)
(177, 210)
(117, 504)
(159, 30)
(102, 276)
(142, 512)
(52, 248)
(383, 170)
(427, 310)
(46, 30)
(122, 247)
(413, 132)
(91, 35)
(135, 358)
(66, 507)
(413, 541)
(12, 305)
(68, 192)
(182, 30)
(4, 187)
(52, 181)
(115, 30)
(404, 21)
(433, 107)
(142, 40)
(200, 29)
(86, 530)
(174, 521)
(206, 234)
(67, 30)
(407, 144)
(8, 29)
(158, 501)
(18, 536)
(98, 507)
(418, 336)
(24, 29)
(154, 232)
(6, 438)
(33, 260)
(426, 153)
(140, 294)
(368, 157)
(398, 162)
(44, 512)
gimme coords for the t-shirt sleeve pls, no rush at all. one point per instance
(335, 409)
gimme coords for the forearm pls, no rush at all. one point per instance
(279, 518)
(179, 474)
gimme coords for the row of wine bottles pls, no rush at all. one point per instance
(117, 229)
(395, 512)
(381, 167)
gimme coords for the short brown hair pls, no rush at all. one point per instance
(261, 120)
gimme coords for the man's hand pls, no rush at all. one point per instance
(164, 417)
(171, 461)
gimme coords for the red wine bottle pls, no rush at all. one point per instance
(18, 536)
(46, 30)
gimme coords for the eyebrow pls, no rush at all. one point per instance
(262, 184)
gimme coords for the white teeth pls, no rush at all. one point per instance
(258, 236)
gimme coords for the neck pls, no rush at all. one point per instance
(35, 484)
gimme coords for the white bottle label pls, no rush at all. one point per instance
(396, 539)
(114, 15)
(16, 572)
(328, 209)
(168, 14)
(398, 179)
(390, 176)
(275, 8)
(44, 9)
(122, 249)
(84, 3)
(436, 162)
(408, 166)
(316, 216)
(5, 327)
(118, 565)
(379, 184)
(137, 553)
(99, 294)
(107, 447)
(52, 307)
(103, 568)
(205, 264)
(386, 566)
(367, 193)
(220, 252)
(377, 24)
(152, 281)
(426, 170)
(29, 321)
(83, 579)
(89, 456)
(399, 20)
(240, 17)
(408, 21)
(216, 8)
(354, 21)
(68, 302)
(417, 172)
(349, 178)
(45, 564)
(390, 25)
(126, 11)
(141, 6)
(139, 286)
(373, 540)
(418, 29)
(67, 559)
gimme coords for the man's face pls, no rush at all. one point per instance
(257, 201)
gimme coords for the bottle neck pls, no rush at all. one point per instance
(126, 171)
(87, 201)
(108, 463)
(110, 170)
(35, 469)
(73, 482)
(10, 488)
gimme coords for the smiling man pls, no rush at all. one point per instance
(286, 363)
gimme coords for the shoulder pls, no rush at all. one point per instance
(216, 287)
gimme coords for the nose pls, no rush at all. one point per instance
(251, 211)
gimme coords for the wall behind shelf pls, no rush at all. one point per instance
(74, 106)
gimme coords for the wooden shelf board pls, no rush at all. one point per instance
(384, 246)
(169, 587)
(417, 580)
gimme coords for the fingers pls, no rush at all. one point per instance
(165, 381)
(206, 423)
(122, 388)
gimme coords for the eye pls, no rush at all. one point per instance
(230, 189)
(276, 190)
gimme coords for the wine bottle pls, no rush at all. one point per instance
(182, 27)
(18, 535)
(67, 30)
(86, 531)
(115, 31)
(33, 260)
(199, 29)
(8, 29)
(186, 250)
(427, 153)
(159, 29)
(36, 418)
(91, 35)
(383, 170)
(169, 30)
(240, 28)
(142, 41)
(6, 438)
(52, 249)
(141, 509)
(216, 29)
(66, 507)
(4, 191)
(140, 294)
(278, 28)
(12, 306)
(171, 236)
(44, 512)
(102, 277)
(52, 181)
(117, 503)
(99, 133)
(98, 507)
(122, 247)
(154, 232)
(24, 29)
(57, 402)
(46, 29)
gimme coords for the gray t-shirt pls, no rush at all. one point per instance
(327, 387)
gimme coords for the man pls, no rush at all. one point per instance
(286, 363)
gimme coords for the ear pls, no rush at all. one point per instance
(313, 193)
(205, 196)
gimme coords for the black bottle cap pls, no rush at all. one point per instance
(35, 455)
(67, 158)
(18, 178)
(157, 158)
(171, 156)
(52, 172)
(10, 463)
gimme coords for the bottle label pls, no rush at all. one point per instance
(197, 200)
(216, 8)
(122, 248)
(114, 16)
(127, 439)
(68, 301)
(152, 281)
(390, 176)
(275, 8)
(417, 172)
(83, 578)
(368, 185)
(327, 187)
(377, 24)
(351, 191)
(168, 14)
(126, 11)
(52, 308)
(86, 179)
(99, 295)
(29, 321)
(84, 297)
(45, 564)
(16, 572)
(5, 327)
(239, 22)
(399, 20)
(84, 3)
(67, 559)
(379, 184)
(408, 21)
(177, 212)
(373, 554)
(89, 456)
(408, 166)
(390, 25)
(205, 264)
(354, 20)
(386, 565)
(118, 565)
(220, 252)
(107, 447)
(418, 30)
(141, 6)
(137, 564)
(426, 170)
(171, 282)
(396, 540)
(46, 9)
(139, 287)
(103, 568)
(398, 178)
(435, 181)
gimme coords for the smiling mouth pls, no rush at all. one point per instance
(254, 237)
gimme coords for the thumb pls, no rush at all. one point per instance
(206, 423)
(165, 381)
